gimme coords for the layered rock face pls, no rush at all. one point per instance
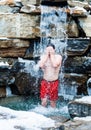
(19, 33)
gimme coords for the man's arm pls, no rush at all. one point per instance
(56, 60)
(43, 60)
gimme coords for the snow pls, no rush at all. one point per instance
(11, 120)
(88, 118)
(85, 99)
(4, 64)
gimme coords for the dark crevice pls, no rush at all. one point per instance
(60, 3)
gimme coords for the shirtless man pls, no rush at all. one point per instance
(50, 63)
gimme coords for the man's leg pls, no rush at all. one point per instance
(53, 104)
(44, 102)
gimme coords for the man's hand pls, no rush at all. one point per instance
(50, 51)
(47, 51)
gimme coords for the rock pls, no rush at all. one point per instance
(27, 84)
(72, 29)
(31, 2)
(77, 46)
(13, 47)
(77, 125)
(77, 11)
(78, 108)
(31, 9)
(5, 9)
(77, 3)
(2, 91)
(80, 65)
(7, 2)
(85, 24)
(19, 26)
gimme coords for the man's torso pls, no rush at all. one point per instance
(50, 73)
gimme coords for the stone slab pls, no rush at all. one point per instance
(85, 23)
(19, 25)
(32, 2)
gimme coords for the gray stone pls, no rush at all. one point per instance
(86, 25)
(19, 26)
(79, 109)
(5, 9)
(77, 46)
(32, 2)
(31, 9)
(77, 3)
(79, 65)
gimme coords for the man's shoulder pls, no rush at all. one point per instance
(58, 56)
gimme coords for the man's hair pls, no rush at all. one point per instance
(50, 44)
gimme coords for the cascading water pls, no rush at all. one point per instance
(53, 29)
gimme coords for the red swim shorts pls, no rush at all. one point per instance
(49, 89)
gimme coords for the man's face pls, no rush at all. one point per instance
(50, 50)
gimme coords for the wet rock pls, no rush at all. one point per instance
(27, 84)
(75, 84)
(18, 4)
(77, 46)
(78, 65)
(15, 10)
(2, 91)
(5, 77)
(79, 109)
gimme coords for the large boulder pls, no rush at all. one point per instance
(19, 26)
(80, 107)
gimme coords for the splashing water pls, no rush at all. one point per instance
(30, 67)
(49, 111)
(53, 28)
(32, 104)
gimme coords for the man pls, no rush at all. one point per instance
(50, 63)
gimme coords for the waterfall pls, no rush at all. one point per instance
(53, 29)
(8, 91)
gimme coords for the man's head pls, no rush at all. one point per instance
(51, 45)
(50, 49)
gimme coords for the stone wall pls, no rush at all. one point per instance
(20, 30)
